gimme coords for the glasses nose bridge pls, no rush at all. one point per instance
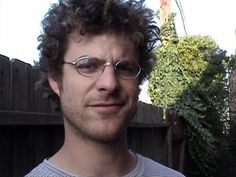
(108, 64)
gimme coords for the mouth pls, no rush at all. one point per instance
(106, 107)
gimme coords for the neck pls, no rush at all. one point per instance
(89, 158)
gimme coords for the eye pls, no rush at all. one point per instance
(88, 65)
(125, 68)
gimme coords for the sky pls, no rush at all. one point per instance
(216, 18)
(20, 25)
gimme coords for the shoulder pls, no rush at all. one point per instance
(38, 170)
(46, 169)
(152, 168)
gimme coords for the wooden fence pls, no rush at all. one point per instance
(31, 129)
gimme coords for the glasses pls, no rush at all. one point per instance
(91, 67)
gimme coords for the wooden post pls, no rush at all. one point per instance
(164, 11)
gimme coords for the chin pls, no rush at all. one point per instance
(110, 132)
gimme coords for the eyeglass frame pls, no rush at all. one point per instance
(102, 67)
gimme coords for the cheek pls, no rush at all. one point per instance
(76, 89)
(71, 89)
(132, 90)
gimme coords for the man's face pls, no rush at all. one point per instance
(97, 108)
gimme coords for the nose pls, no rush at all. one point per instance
(108, 80)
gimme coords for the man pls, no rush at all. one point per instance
(96, 53)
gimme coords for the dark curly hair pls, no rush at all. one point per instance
(127, 17)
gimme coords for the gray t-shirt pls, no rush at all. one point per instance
(144, 168)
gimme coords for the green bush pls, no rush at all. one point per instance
(191, 78)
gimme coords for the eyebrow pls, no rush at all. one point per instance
(127, 59)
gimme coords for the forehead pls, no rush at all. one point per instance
(106, 46)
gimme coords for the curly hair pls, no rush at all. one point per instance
(127, 17)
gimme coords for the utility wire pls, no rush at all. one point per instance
(179, 5)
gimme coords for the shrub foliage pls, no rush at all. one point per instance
(190, 77)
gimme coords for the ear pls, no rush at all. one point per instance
(54, 84)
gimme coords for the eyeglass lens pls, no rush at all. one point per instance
(91, 66)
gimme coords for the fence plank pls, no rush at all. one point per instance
(5, 83)
(23, 147)
(48, 140)
(178, 135)
(21, 86)
(21, 150)
(150, 142)
(147, 113)
(26, 118)
(40, 102)
(6, 152)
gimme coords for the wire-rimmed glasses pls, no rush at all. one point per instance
(88, 66)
